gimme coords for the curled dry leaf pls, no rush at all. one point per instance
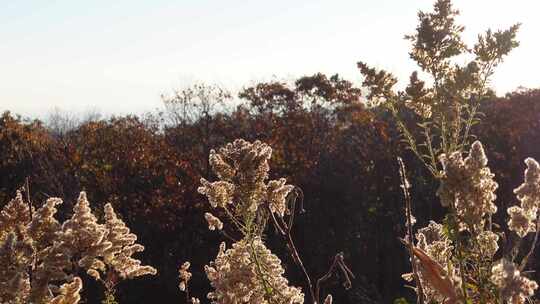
(435, 275)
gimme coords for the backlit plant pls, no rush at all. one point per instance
(459, 260)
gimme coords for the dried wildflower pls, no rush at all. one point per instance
(514, 288)
(52, 268)
(277, 195)
(222, 169)
(529, 192)
(487, 244)
(521, 221)
(184, 275)
(123, 246)
(432, 240)
(468, 186)
(243, 169)
(82, 236)
(14, 216)
(213, 222)
(409, 276)
(16, 251)
(69, 293)
(43, 227)
(249, 273)
(50, 250)
(195, 301)
(219, 193)
(14, 280)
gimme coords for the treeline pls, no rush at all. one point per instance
(325, 140)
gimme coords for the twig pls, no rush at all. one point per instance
(296, 257)
(27, 190)
(31, 267)
(285, 229)
(533, 246)
(298, 194)
(408, 213)
(347, 273)
(276, 224)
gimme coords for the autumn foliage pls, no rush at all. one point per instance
(345, 164)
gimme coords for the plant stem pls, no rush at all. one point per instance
(408, 214)
(533, 246)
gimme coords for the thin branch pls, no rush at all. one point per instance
(276, 224)
(27, 190)
(285, 229)
(297, 194)
(296, 257)
(408, 213)
(533, 245)
(337, 263)
(34, 258)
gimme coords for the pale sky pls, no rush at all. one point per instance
(119, 56)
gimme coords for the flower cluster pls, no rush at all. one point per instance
(249, 273)
(69, 293)
(123, 246)
(468, 187)
(513, 287)
(38, 253)
(487, 244)
(242, 189)
(83, 236)
(213, 222)
(15, 255)
(434, 242)
(523, 218)
(277, 195)
(184, 275)
(220, 194)
(243, 169)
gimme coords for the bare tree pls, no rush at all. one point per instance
(193, 103)
(195, 107)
